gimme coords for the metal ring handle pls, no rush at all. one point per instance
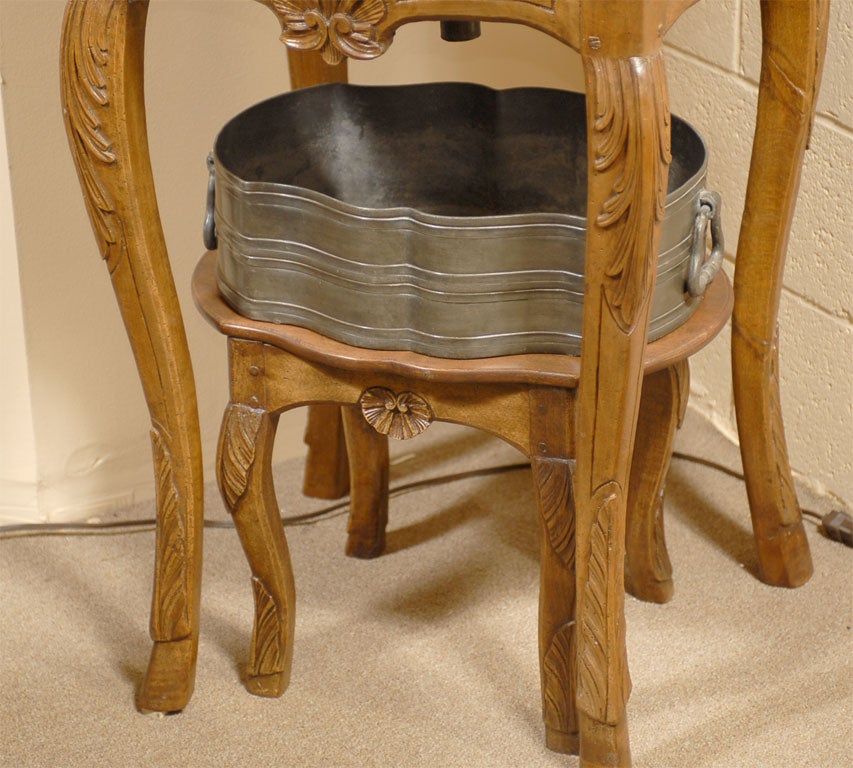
(209, 228)
(703, 271)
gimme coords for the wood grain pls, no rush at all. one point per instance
(793, 50)
(103, 105)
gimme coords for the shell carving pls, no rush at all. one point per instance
(399, 416)
(337, 28)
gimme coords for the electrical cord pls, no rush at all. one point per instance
(836, 525)
(143, 525)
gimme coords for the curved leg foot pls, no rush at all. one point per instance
(648, 571)
(245, 479)
(368, 469)
(604, 745)
(794, 44)
(169, 679)
(550, 457)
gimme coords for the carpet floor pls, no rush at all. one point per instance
(427, 656)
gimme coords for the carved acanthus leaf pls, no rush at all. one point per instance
(170, 611)
(237, 450)
(85, 97)
(267, 655)
(554, 490)
(603, 683)
(398, 416)
(634, 150)
(337, 28)
(558, 691)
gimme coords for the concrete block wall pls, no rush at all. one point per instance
(713, 67)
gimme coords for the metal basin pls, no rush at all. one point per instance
(444, 218)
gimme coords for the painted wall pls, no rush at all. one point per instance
(206, 60)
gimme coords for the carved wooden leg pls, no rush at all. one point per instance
(628, 130)
(368, 457)
(794, 43)
(550, 452)
(102, 98)
(648, 572)
(326, 469)
(245, 480)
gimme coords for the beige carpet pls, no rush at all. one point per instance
(427, 656)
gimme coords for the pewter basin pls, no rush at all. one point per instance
(443, 218)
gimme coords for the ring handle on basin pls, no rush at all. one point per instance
(703, 271)
(209, 229)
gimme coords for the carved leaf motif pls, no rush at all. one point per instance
(559, 689)
(398, 416)
(602, 624)
(267, 652)
(237, 451)
(621, 138)
(336, 28)
(170, 612)
(553, 483)
(85, 93)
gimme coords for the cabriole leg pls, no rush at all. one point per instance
(102, 98)
(794, 43)
(244, 472)
(629, 154)
(648, 572)
(550, 457)
(368, 461)
(326, 468)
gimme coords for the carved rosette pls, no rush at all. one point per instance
(85, 91)
(336, 28)
(236, 452)
(398, 416)
(629, 124)
(170, 608)
(603, 681)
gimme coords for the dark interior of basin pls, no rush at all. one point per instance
(452, 149)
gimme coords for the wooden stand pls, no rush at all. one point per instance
(580, 440)
(528, 400)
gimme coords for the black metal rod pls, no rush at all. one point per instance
(460, 31)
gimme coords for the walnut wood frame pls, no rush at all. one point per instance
(620, 42)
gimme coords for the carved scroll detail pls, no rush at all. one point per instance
(267, 656)
(337, 28)
(619, 134)
(85, 93)
(554, 488)
(170, 609)
(237, 450)
(558, 667)
(398, 416)
(602, 629)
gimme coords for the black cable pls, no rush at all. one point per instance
(149, 524)
(735, 474)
